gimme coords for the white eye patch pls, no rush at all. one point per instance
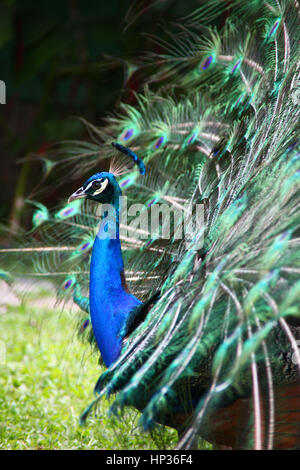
(100, 189)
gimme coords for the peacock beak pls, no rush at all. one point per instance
(79, 194)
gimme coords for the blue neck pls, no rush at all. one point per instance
(110, 302)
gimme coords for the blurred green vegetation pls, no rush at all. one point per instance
(47, 378)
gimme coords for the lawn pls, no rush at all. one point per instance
(46, 380)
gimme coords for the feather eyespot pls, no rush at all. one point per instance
(159, 142)
(85, 246)
(67, 284)
(68, 211)
(274, 28)
(206, 62)
(84, 326)
(128, 134)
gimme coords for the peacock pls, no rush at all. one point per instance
(196, 315)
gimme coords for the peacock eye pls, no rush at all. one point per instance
(96, 185)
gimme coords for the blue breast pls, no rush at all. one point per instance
(110, 303)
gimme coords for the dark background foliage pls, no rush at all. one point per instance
(64, 58)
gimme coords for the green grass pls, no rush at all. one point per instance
(46, 380)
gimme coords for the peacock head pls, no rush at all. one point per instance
(103, 187)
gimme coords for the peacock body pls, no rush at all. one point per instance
(200, 332)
